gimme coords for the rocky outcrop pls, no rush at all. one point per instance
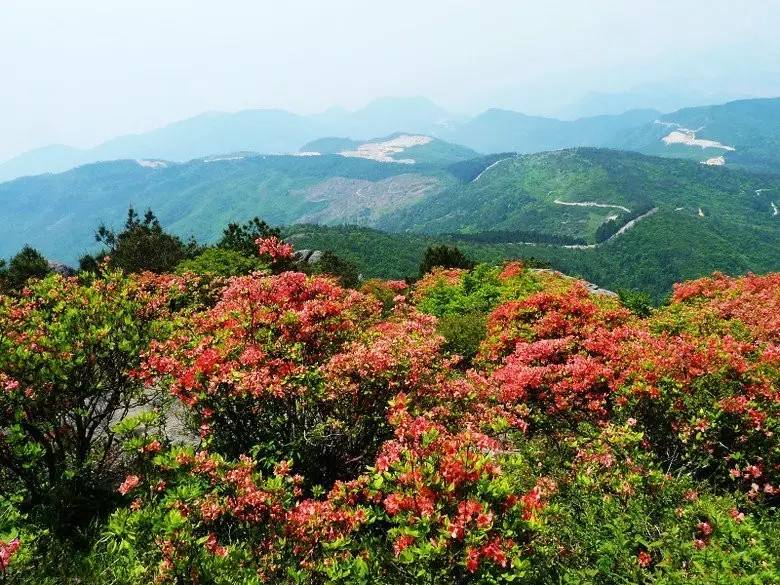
(308, 256)
(61, 269)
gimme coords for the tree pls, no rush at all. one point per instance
(243, 237)
(444, 256)
(27, 264)
(142, 245)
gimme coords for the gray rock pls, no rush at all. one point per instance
(61, 269)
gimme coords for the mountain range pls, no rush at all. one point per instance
(260, 131)
(618, 199)
(743, 133)
(597, 212)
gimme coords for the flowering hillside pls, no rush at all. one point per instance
(493, 425)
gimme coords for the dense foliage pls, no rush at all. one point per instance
(501, 424)
(68, 350)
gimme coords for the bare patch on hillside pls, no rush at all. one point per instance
(687, 137)
(363, 202)
(152, 164)
(384, 151)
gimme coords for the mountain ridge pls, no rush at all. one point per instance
(617, 218)
(754, 124)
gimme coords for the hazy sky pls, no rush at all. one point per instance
(79, 72)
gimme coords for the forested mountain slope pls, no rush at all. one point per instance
(58, 213)
(586, 195)
(616, 218)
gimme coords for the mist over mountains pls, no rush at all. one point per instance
(408, 166)
(750, 124)
(279, 131)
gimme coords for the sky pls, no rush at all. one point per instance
(79, 72)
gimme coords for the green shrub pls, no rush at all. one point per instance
(463, 334)
(221, 262)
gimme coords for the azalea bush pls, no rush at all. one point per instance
(617, 515)
(435, 505)
(492, 425)
(705, 381)
(547, 352)
(68, 350)
(700, 376)
(294, 366)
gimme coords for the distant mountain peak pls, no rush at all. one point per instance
(742, 124)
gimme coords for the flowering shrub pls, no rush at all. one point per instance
(702, 383)
(616, 512)
(385, 291)
(67, 352)
(434, 505)
(453, 506)
(705, 372)
(341, 441)
(295, 367)
(548, 352)
(274, 248)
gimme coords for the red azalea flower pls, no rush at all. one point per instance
(129, 484)
(644, 559)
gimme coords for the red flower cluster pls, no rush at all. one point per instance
(263, 332)
(275, 248)
(448, 486)
(582, 357)
(7, 551)
(130, 483)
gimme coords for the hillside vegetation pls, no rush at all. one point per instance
(702, 219)
(56, 213)
(619, 219)
(573, 192)
(661, 250)
(499, 424)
